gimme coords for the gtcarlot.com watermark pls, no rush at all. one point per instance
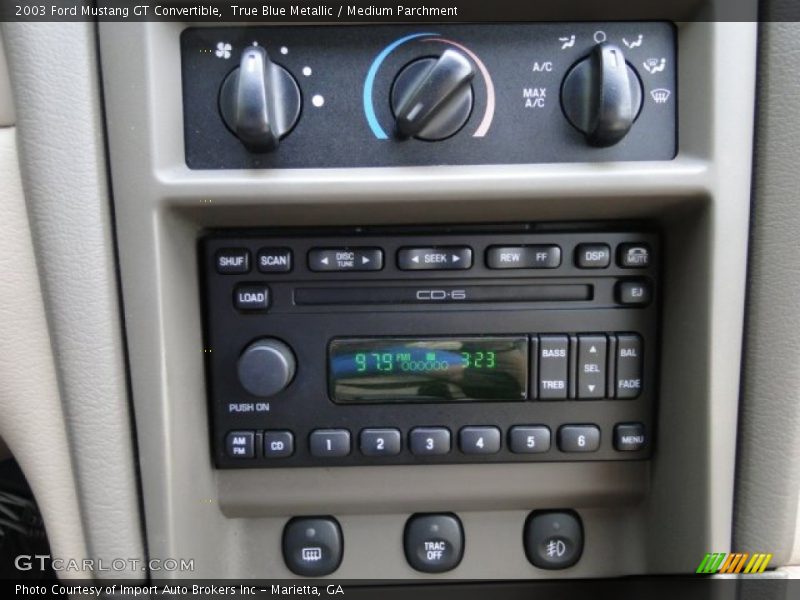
(45, 562)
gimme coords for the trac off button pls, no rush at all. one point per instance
(434, 543)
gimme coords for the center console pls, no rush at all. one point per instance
(461, 300)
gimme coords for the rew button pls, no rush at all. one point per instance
(523, 257)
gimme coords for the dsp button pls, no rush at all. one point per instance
(442, 259)
(523, 257)
(592, 256)
(434, 543)
(553, 539)
(345, 259)
(312, 547)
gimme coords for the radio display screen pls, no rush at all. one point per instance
(446, 369)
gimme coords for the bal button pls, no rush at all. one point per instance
(434, 543)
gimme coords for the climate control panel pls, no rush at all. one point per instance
(354, 96)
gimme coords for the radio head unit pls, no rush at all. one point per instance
(341, 348)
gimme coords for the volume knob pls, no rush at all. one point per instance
(266, 367)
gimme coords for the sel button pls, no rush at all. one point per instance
(433, 543)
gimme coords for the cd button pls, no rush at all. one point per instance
(444, 258)
(429, 440)
(345, 259)
(278, 444)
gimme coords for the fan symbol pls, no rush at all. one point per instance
(223, 50)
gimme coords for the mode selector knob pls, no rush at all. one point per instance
(266, 367)
(259, 101)
(432, 97)
(602, 95)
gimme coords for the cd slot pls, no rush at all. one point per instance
(316, 296)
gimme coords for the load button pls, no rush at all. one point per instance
(444, 258)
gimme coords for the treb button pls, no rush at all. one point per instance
(443, 258)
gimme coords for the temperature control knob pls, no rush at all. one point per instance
(266, 367)
(432, 97)
(259, 101)
(602, 95)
